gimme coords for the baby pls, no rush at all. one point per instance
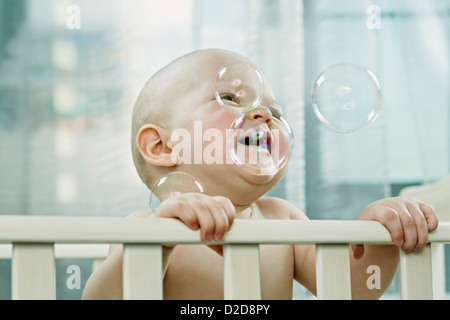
(176, 97)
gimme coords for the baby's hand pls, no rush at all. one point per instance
(408, 220)
(213, 215)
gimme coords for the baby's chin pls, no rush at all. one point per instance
(252, 188)
(259, 179)
(255, 186)
(234, 182)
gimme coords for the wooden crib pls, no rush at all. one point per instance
(34, 241)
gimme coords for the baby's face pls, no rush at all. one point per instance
(201, 127)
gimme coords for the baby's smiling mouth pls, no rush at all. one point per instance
(260, 138)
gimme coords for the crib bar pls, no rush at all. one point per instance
(61, 229)
(438, 270)
(415, 275)
(241, 272)
(30, 240)
(33, 272)
(67, 251)
(95, 251)
(333, 272)
(142, 272)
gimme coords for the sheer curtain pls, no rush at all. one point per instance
(344, 171)
(407, 48)
(67, 94)
(409, 141)
(269, 33)
(418, 89)
(67, 91)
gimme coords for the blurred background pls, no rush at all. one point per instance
(70, 72)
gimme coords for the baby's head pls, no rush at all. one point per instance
(178, 105)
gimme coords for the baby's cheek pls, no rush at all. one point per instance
(218, 122)
(215, 146)
(221, 119)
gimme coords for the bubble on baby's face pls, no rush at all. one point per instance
(239, 87)
(262, 141)
(172, 185)
(346, 97)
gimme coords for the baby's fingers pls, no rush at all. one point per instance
(430, 216)
(389, 218)
(204, 216)
(178, 209)
(213, 215)
(221, 223)
(228, 208)
(421, 228)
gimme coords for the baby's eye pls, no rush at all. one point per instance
(229, 97)
(275, 113)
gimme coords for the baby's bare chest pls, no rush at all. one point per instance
(196, 272)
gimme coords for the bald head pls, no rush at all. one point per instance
(161, 95)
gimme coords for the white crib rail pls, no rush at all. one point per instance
(33, 253)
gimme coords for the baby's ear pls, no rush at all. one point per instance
(151, 141)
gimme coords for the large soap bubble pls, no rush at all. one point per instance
(262, 141)
(172, 185)
(239, 87)
(346, 97)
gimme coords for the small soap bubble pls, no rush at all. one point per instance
(262, 141)
(346, 97)
(172, 185)
(239, 87)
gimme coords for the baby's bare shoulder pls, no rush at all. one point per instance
(277, 208)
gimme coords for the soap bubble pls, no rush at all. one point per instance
(261, 139)
(239, 87)
(346, 97)
(172, 185)
(261, 146)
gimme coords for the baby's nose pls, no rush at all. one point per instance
(261, 114)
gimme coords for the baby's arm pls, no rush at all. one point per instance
(409, 221)
(213, 215)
